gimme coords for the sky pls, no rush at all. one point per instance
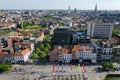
(60, 4)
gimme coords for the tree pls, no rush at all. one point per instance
(48, 46)
(46, 25)
(25, 24)
(61, 23)
(5, 67)
(108, 66)
(105, 65)
(43, 55)
(47, 16)
(34, 56)
(46, 50)
(38, 51)
(111, 66)
(116, 31)
(41, 46)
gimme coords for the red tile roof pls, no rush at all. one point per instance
(28, 43)
(62, 50)
(80, 48)
(110, 41)
(3, 53)
(22, 53)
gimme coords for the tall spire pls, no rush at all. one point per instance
(95, 13)
(69, 10)
(96, 8)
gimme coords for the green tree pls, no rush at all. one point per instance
(48, 46)
(5, 32)
(46, 50)
(41, 46)
(47, 16)
(37, 51)
(111, 66)
(34, 56)
(105, 65)
(61, 23)
(116, 31)
(5, 67)
(46, 24)
(25, 24)
(43, 55)
(108, 66)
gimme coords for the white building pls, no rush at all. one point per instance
(64, 55)
(84, 52)
(99, 30)
(107, 49)
(30, 45)
(22, 56)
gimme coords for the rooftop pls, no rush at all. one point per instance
(110, 41)
(80, 48)
(63, 27)
(22, 53)
(60, 50)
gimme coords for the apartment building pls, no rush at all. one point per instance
(80, 37)
(64, 55)
(62, 36)
(60, 55)
(84, 52)
(116, 53)
(22, 56)
(107, 49)
(99, 30)
(2, 56)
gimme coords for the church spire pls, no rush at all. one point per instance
(96, 8)
(69, 10)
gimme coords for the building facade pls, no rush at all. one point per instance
(84, 52)
(61, 36)
(80, 37)
(116, 53)
(99, 30)
(22, 56)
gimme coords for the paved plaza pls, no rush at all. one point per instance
(37, 72)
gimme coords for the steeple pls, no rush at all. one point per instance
(96, 8)
(69, 10)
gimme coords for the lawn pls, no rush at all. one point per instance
(5, 32)
(32, 27)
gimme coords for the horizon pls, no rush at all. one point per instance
(60, 5)
(64, 9)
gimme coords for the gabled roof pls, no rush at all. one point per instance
(28, 43)
(62, 50)
(80, 48)
(109, 41)
(22, 53)
(3, 53)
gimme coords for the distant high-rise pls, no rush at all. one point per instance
(99, 30)
(75, 10)
(69, 10)
(95, 10)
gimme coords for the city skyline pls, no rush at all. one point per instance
(61, 4)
